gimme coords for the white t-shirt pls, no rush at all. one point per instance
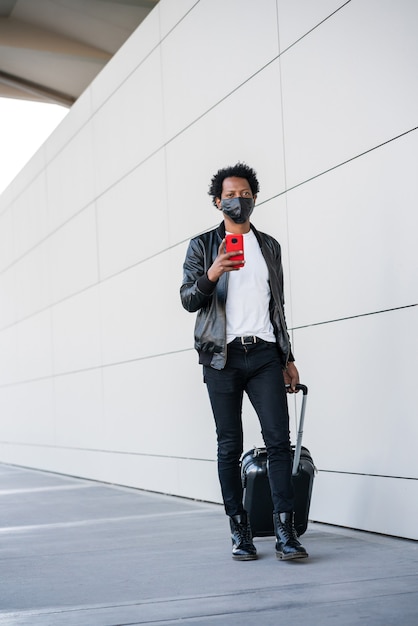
(247, 304)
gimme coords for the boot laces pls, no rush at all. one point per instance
(289, 531)
(243, 533)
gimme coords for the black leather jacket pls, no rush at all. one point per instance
(200, 294)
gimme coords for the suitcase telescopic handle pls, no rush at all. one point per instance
(298, 447)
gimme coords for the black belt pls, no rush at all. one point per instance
(248, 340)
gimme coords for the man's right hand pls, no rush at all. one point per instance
(223, 263)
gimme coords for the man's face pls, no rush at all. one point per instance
(235, 187)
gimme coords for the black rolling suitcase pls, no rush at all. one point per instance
(257, 495)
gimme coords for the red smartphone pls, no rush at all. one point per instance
(235, 242)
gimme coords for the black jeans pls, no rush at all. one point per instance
(255, 369)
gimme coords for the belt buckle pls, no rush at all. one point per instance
(248, 340)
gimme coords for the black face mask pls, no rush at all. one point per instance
(237, 209)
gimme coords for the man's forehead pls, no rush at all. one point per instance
(236, 183)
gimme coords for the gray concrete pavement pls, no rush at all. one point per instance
(81, 553)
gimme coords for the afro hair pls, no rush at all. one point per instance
(239, 170)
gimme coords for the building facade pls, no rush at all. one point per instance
(98, 375)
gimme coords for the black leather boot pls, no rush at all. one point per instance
(243, 548)
(287, 544)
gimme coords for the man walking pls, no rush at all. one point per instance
(243, 345)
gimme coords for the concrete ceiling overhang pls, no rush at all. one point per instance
(51, 50)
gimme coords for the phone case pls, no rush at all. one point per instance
(235, 242)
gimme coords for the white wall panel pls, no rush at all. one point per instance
(125, 336)
(351, 234)
(35, 404)
(8, 297)
(185, 477)
(69, 127)
(298, 17)
(11, 421)
(79, 410)
(133, 52)
(199, 68)
(128, 128)
(378, 504)
(255, 136)
(132, 218)
(6, 198)
(346, 89)
(6, 238)
(34, 347)
(199, 480)
(73, 249)
(148, 409)
(30, 216)
(361, 374)
(129, 426)
(33, 289)
(141, 310)
(76, 332)
(31, 421)
(171, 13)
(70, 178)
(27, 175)
(8, 346)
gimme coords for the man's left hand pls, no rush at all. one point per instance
(291, 377)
